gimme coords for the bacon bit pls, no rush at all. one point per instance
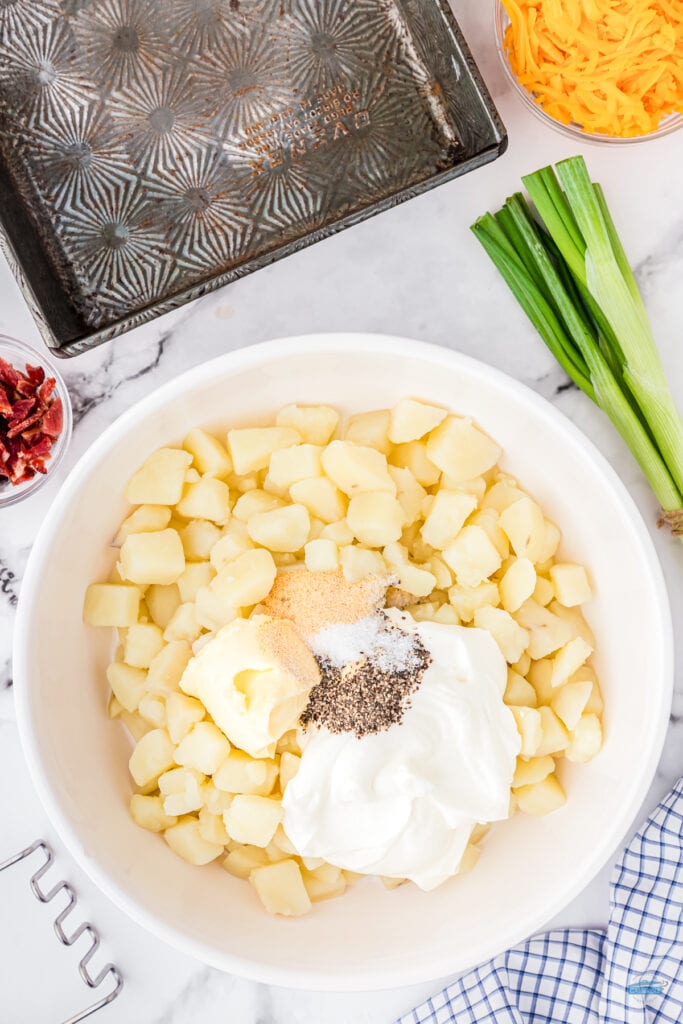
(30, 421)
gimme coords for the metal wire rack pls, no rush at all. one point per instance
(66, 938)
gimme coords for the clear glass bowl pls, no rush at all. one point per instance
(573, 131)
(18, 353)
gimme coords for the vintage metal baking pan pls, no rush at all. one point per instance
(154, 150)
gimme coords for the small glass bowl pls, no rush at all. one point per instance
(574, 131)
(18, 354)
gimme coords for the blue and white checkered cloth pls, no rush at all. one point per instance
(630, 974)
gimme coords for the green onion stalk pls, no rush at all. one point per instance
(567, 268)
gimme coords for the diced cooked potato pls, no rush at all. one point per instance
(290, 465)
(586, 740)
(162, 602)
(241, 861)
(148, 812)
(181, 790)
(517, 584)
(184, 624)
(145, 519)
(114, 708)
(186, 840)
(472, 556)
(568, 659)
(195, 576)
(466, 600)
(182, 712)
(240, 773)
(409, 492)
(413, 579)
(413, 456)
(502, 493)
(253, 503)
(447, 615)
(211, 827)
(460, 449)
(339, 532)
(289, 766)
(283, 529)
(143, 642)
(440, 571)
(281, 842)
(252, 447)
(510, 637)
(555, 737)
(375, 518)
(356, 469)
(152, 557)
(212, 612)
(160, 479)
(205, 748)
(487, 519)
(595, 704)
(321, 555)
(569, 702)
(152, 756)
(543, 591)
(324, 883)
(208, 498)
(215, 800)
(524, 525)
(320, 496)
(153, 710)
(281, 889)
(570, 583)
(198, 538)
(519, 691)
(111, 604)
(247, 580)
(135, 725)
(356, 563)
(523, 664)
(530, 727)
(233, 542)
(577, 624)
(548, 631)
(253, 819)
(446, 517)
(166, 669)
(536, 769)
(540, 675)
(315, 423)
(210, 456)
(541, 798)
(411, 420)
(127, 684)
(546, 550)
(370, 429)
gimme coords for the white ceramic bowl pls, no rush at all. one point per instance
(370, 938)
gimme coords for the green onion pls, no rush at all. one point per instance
(568, 270)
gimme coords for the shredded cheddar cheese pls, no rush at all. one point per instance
(613, 67)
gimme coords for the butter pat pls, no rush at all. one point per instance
(254, 678)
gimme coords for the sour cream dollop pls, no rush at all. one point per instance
(403, 802)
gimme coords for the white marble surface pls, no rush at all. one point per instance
(414, 271)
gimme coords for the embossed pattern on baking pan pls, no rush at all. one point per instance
(153, 150)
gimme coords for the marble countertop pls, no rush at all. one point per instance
(413, 271)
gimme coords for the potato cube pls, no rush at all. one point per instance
(136, 726)
(586, 740)
(315, 423)
(195, 576)
(339, 532)
(281, 888)
(252, 447)
(523, 664)
(198, 538)
(568, 659)
(280, 846)
(160, 479)
(184, 624)
(569, 702)
(472, 556)
(321, 555)
(544, 591)
(595, 704)
(460, 449)
(547, 631)
(186, 840)
(411, 420)
(211, 828)
(152, 557)
(247, 580)
(240, 773)
(114, 708)
(143, 642)
(440, 571)
(148, 812)
(162, 602)
(447, 615)
(540, 675)
(253, 819)
(356, 469)
(182, 712)
(446, 517)
(413, 456)
(210, 456)
(283, 529)
(530, 728)
(502, 493)
(324, 883)
(357, 563)
(145, 519)
(290, 465)
(466, 600)
(519, 691)
(518, 584)
(375, 517)
(152, 756)
(208, 498)
(153, 710)
(488, 520)
(241, 861)
(555, 737)
(370, 429)
(524, 525)
(570, 583)
(232, 543)
(541, 798)
(289, 766)
(320, 496)
(212, 612)
(547, 549)
(574, 618)
(409, 492)
(127, 684)
(536, 769)
(511, 638)
(167, 667)
(181, 790)
(254, 502)
(205, 748)
(215, 800)
(111, 604)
